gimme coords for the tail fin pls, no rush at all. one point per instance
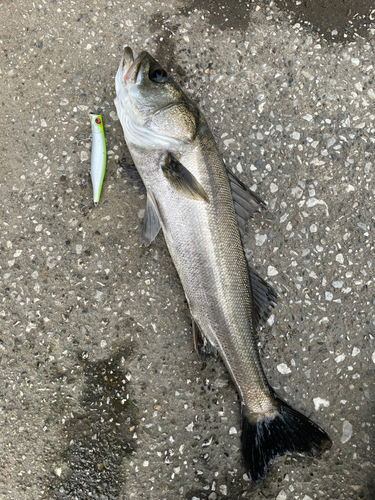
(287, 432)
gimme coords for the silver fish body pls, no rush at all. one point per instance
(190, 197)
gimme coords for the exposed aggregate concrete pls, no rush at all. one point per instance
(102, 395)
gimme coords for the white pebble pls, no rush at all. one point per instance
(260, 239)
(349, 188)
(328, 296)
(34, 275)
(284, 368)
(43, 123)
(313, 228)
(273, 187)
(297, 192)
(306, 497)
(355, 351)
(103, 343)
(307, 117)
(232, 430)
(271, 320)
(113, 115)
(239, 167)
(373, 357)
(223, 489)
(318, 402)
(38, 228)
(296, 135)
(340, 258)
(340, 358)
(189, 428)
(84, 156)
(281, 495)
(272, 271)
(307, 75)
(355, 61)
(337, 284)
(347, 431)
(79, 249)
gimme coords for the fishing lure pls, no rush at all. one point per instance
(98, 155)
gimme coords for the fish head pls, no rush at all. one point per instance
(153, 110)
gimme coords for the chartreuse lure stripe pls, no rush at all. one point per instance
(98, 155)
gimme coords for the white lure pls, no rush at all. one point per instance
(98, 155)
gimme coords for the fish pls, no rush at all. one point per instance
(98, 156)
(202, 209)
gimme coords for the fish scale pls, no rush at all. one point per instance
(189, 196)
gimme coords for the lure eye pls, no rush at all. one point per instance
(98, 120)
(159, 75)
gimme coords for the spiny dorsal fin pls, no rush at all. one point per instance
(151, 223)
(245, 201)
(182, 180)
(264, 297)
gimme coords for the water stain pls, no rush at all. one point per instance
(225, 14)
(164, 34)
(99, 438)
(336, 20)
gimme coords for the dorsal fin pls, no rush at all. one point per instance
(264, 298)
(245, 201)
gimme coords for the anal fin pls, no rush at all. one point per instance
(201, 344)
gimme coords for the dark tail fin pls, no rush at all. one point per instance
(287, 432)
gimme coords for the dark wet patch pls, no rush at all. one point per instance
(99, 438)
(224, 14)
(164, 34)
(346, 17)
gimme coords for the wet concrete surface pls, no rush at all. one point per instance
(102, 395)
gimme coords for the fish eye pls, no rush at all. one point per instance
(98, 120)
(159, 75)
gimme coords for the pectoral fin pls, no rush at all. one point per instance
(182, 180)
(151, 222)
(245, 201)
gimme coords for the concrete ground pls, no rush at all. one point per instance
(102, 396)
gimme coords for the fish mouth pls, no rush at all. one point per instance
(132, 66)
